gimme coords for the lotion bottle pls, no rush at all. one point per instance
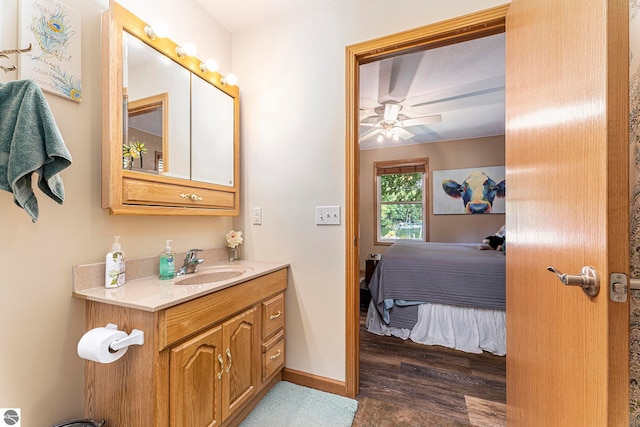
(167, 263)
(114, 266)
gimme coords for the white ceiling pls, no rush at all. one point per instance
(464, 82)
(243, 14)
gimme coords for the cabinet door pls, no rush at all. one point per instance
(195, 381)
(240, 353)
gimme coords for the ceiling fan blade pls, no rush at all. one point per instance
(403, 133)
(478, 88)
(418, 121)
(368, 103)
(367, 114)
(368, 135)
(391, 112)
(396, 76)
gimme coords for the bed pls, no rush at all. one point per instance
(449, 294)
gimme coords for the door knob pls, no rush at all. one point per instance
(587, 279)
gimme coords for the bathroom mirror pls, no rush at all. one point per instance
(170, 128)
(146, 132)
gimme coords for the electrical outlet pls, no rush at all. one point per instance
(256, 216)
(327, 215)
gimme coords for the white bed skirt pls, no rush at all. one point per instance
(473, 330)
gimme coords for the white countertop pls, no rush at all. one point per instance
(152, 294)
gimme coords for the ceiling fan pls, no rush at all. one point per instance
(391, 118)
(388, 122)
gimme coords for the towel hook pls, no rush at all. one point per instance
(5, 54)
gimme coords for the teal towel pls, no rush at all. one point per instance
(29, 142)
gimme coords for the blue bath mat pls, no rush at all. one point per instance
(291, 405)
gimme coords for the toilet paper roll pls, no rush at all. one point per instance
(94, 345)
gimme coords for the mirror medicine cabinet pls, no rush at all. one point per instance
(170, 126)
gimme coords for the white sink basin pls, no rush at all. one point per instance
(213, 274)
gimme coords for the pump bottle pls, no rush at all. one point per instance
(167, 262)
(114, 266)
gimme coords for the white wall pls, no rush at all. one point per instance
(40, 322)
(292, 80)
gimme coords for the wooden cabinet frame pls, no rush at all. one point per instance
(127, 192)
(136, 390)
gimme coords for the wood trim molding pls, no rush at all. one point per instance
(314, 381)
(468, 27)
(618, 213)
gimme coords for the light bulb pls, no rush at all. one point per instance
(156, 30)
(230, 79)
(380, 138)
(210, 65)
(188, 49)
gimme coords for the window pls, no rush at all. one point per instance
(401, 199)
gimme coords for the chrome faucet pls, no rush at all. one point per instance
(191, 262)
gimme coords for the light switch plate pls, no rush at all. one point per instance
(327, 215)
(256, 216)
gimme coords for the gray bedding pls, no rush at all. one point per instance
(411, 273)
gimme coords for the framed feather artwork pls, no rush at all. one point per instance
(54, 61)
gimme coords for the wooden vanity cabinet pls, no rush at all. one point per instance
(203, 362)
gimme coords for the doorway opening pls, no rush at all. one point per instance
(469, 27)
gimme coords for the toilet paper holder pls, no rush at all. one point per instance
(136, 337)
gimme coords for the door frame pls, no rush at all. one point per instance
(480, 24)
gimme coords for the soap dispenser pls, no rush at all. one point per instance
(167, 262)
(114, 266)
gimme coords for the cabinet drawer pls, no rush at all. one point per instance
(272, 355)
(164, 194)
(272, 315)
(183, 320)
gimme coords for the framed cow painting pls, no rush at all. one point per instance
(469, 191)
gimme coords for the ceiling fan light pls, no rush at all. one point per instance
(380, 138)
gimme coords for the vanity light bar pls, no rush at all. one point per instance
(158, 30)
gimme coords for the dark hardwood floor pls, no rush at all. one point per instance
(407, 384)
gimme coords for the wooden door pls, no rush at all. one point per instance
(194, 382)
(567, 207)
(240, 350)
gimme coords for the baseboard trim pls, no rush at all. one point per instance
(315, 381)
